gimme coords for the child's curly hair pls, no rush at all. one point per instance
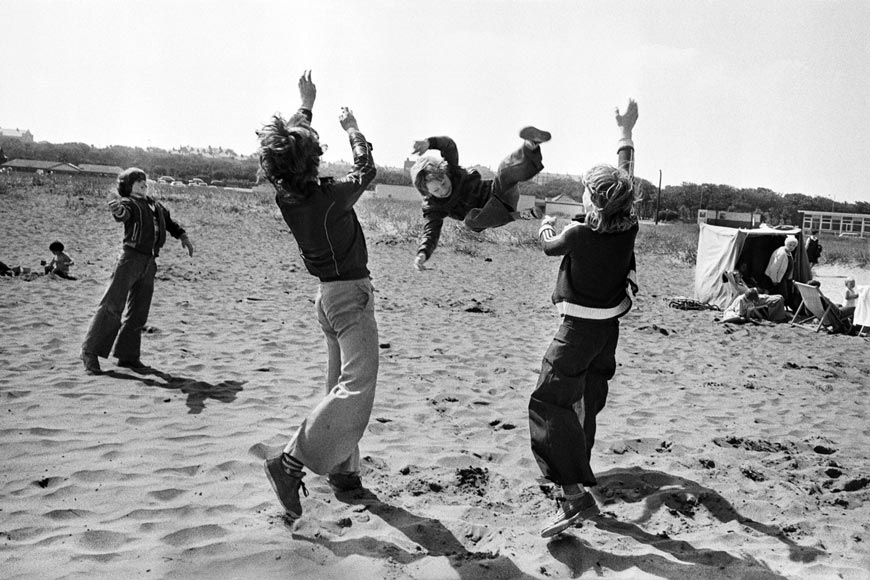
(424, 167)
(613, 195)
(289, 154)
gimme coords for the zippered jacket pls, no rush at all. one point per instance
(323, 221)
(146, 222)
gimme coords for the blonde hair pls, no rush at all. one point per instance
(613, 195)
(425, 167)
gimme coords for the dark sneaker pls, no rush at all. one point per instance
(286, 485)
(134, 364)
(534, 135)
(92, 364)
(570, 512)
(344, 482)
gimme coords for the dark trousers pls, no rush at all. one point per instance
(521, 165)
(571, 391)
(131, 286)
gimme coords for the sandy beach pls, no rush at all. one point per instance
(724, 452)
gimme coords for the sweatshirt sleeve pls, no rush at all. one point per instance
(122, 211)
(174, 228)
(431, 231)
(625, 155)
(555, 244)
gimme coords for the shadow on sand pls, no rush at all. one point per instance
(432, 537)
(657, 490)
(198, 392)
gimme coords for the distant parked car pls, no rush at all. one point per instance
(166, 179)
(197, 181)
(178, 183)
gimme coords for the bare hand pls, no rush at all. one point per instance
(307, 90)
(421, 147)
(186, 243)
(627, 120)
(114, 204)
(420, 261)
(347, 120)
(548, 220)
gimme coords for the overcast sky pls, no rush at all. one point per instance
(750, 94)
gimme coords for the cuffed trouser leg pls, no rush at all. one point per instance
(574, 374)
(103, 330)
(129, 343)
(327, 441)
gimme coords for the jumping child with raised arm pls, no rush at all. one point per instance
(319, 212)
(594, 287)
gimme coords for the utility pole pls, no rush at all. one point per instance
(659, 198)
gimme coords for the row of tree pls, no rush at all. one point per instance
(681, 201)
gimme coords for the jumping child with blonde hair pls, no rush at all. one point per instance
(595, 287)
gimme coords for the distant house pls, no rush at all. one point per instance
(25, 135)
(100, 170)
(34, 166)
(564, 205)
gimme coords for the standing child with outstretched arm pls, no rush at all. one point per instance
(595, 287)
(146, 223)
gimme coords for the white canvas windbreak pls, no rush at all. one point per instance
(719, 249)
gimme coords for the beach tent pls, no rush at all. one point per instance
(722, 249)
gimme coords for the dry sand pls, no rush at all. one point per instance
(724, 451)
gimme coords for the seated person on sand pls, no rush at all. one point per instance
(845, 311)
(754, 307)
(60, 263)
(450, 190)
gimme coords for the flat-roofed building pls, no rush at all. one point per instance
(837, 223)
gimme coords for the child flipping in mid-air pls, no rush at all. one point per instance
(594, 287)
(60, 263)
(450, 190)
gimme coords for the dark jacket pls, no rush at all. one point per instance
(597, 277)
(146, 222)
(468, 191)
(323, 221)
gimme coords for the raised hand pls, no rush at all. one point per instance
(347, 120)
(307, 90)
(420, 262)
(421, 147)
(629, 118)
